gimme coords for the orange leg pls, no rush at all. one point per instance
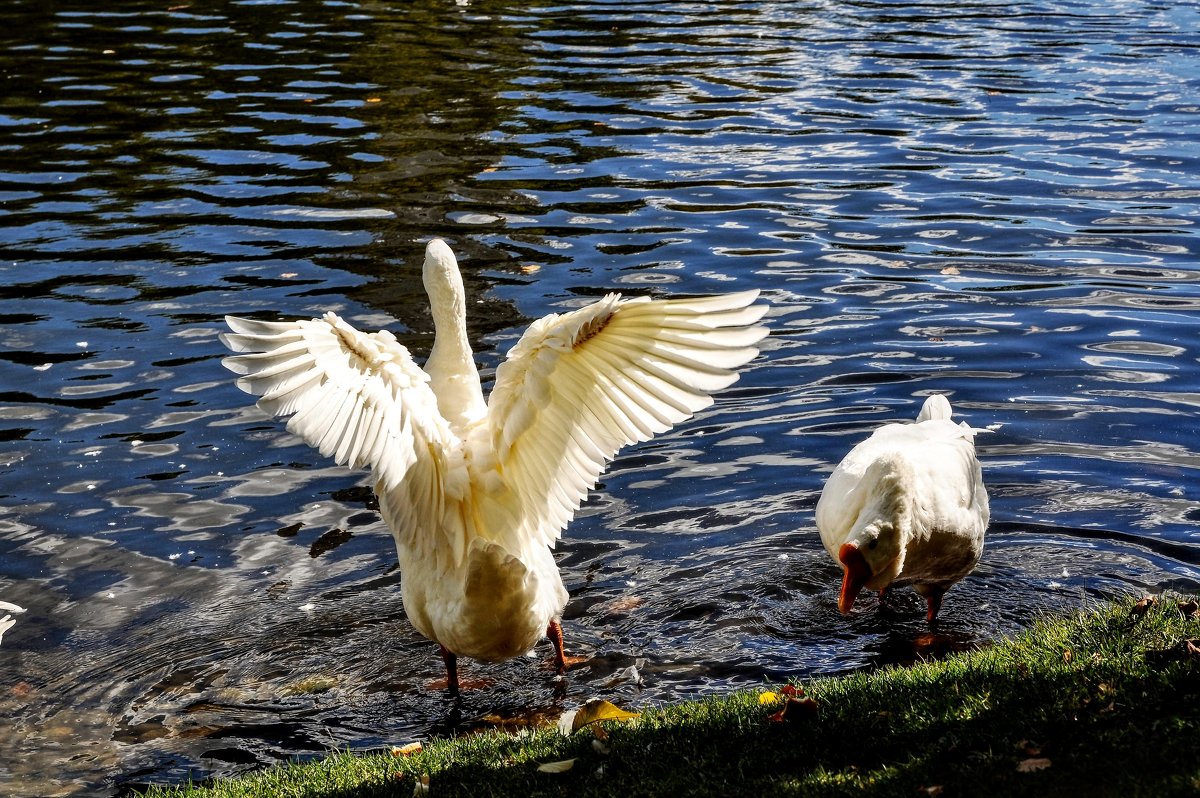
(555, 633)
(933, 597)
(451, 660)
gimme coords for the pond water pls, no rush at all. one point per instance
(997, 201)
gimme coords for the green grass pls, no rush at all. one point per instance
(1106, 702)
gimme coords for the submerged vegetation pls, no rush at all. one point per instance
(1103, 703)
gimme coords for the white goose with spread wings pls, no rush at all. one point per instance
(476, 493)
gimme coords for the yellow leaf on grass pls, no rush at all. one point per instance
(557, 767)
(768, 698)
(598, 710)
(406, 750)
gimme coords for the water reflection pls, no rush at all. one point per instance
(997, 204)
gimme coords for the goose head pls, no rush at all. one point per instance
(451, 365)
(872, 557)
(443, 283)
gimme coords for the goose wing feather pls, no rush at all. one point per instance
(579, 386)
(357, 397)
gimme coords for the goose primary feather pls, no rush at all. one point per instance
(7, 621)
(475, 491)
(907, 506)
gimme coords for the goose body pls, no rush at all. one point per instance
(475, 491)
(907, 506)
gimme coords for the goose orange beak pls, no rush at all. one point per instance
(857, 572)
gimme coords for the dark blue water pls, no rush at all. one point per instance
(993, 200)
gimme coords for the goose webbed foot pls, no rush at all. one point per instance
(561, 660)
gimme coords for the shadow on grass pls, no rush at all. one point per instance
(1077, 706)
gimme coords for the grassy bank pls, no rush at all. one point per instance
(1106, 703)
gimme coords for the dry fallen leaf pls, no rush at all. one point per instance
(1190, 609)
(622, 603)
(1182, 651)
(792, 691)
(422, 786)
(406, 750)
(1067, 656)
(526, 718)
(598, 710)
(1032, 764)
(1143, 606)
(557, 767)
(950, 270)
(795, 709)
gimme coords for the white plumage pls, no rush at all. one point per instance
(476, 493)
(7, 621)
(907, 506)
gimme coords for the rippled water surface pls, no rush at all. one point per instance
(993, 200)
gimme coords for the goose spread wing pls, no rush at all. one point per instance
(357, 397)
(580, 385)
(7, 621)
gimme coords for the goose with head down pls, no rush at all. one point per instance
(907, 506)
(475, 491)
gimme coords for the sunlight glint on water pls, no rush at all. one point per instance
(998, 203)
